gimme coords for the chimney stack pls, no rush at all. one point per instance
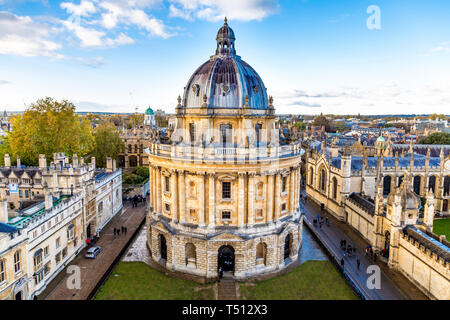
(7, 161)
(18, 162)
(48, 199)
(3, 210)
(42, 161)
(114, 165)
(75, 160)
(109, 164)
(93, 161)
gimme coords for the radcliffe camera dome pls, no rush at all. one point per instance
(225, 81)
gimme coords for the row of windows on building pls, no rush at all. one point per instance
(130, 148)
(226, 133)
(226, 187)
(22, 181)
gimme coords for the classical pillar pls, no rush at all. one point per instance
(241, 204)
(212, 200)
(277, 196)
(251, 199)
(182, 189)
(174, 195)
(152, 186)
(201, 211)
(270, 182)
(291, 190)
(158, 190)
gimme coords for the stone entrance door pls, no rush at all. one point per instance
(287, 246)
(226, 258)
(162, 240)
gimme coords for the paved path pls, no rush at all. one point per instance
(92, 270)
(331, 237)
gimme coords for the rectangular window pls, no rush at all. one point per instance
(46, 251)
(47, 268)
(283, 184)
(259, 213)
(58, 258)
(70, 233)
(226, 190)
(226, 215)
(58, 242)
(192, 132)
(2, 271)
(64, 252)
(16, 261)
(38, 260)
(167, 207)
(20, 193)
(283, 207)
(167, 184)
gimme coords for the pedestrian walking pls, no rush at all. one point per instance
(118, 231)
(344, 242)
(125, 229)
(358, 263)
(320, 225)
(342, 264)
(220, 273)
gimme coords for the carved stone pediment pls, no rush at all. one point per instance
(227, 236)
(225, 176)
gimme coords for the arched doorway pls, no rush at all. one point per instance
(18, 295)
(121, 161)
(445, 205)
(133, 161)
(226, 258)
(163, 247)
(387, 243)
(287, 246)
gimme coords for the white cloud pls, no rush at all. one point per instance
(85, 8)
(20, 35)
(443, 47)
(214, 10)
(95, 62)
(3, 82)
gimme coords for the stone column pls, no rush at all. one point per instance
(152, 186)
(277, 195)
(158, 190)
(212, 200)
(174, 195)
(182, 189)
(201, 210)
(291, 190)
(251, 199)
(241, 204)
(270, 195)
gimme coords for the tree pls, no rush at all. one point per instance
(107, 143)
(322, 121)
(46, 127)
(436, 138)
(300, 125)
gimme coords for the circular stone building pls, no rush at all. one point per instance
(224, 187)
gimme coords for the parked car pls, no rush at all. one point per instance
(93, 252)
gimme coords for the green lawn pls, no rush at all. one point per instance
(312, 280)
(442, 226)
(139, 281)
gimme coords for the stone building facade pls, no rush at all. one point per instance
(71, 202)
(224, 189)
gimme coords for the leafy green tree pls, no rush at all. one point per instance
(300, 125)
(436, 138)
(107, 143)
(47, 126)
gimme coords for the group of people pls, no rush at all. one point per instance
(137, 199)
(90, 241)
(370, 253)
(117, 231)
(347, 248)
(319, 219)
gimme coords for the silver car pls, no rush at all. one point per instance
(93, 252)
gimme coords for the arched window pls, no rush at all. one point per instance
(445, 205)
(400, 180)
(311, 176)
(432, 183)
(226, 133)
(163, 247)
(446, 185)
(191, 255)
(192, 190)
(2, 270)
(335, 188)
(323, 176)
(283, 184)
(258, 128)
(260, 189)
(287, 246)
(261, 252)
(192, 132)
(387, 185)
(416, 184)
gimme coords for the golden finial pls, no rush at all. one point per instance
(225, 20)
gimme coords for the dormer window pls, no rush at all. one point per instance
(196, 89)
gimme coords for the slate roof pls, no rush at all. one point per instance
(5, 228)
(428, 242)
(362, 202)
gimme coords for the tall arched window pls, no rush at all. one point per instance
(386, 185)
(258, 128)
(323, 176)
(311, 176)
(432, 183)
(400, 180)
(446, 185)
(335, 188)
(17, 266)
(416, 184)
(226, 134)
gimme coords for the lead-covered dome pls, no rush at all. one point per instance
(225, 81)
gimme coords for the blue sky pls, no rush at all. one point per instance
(313, 55)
